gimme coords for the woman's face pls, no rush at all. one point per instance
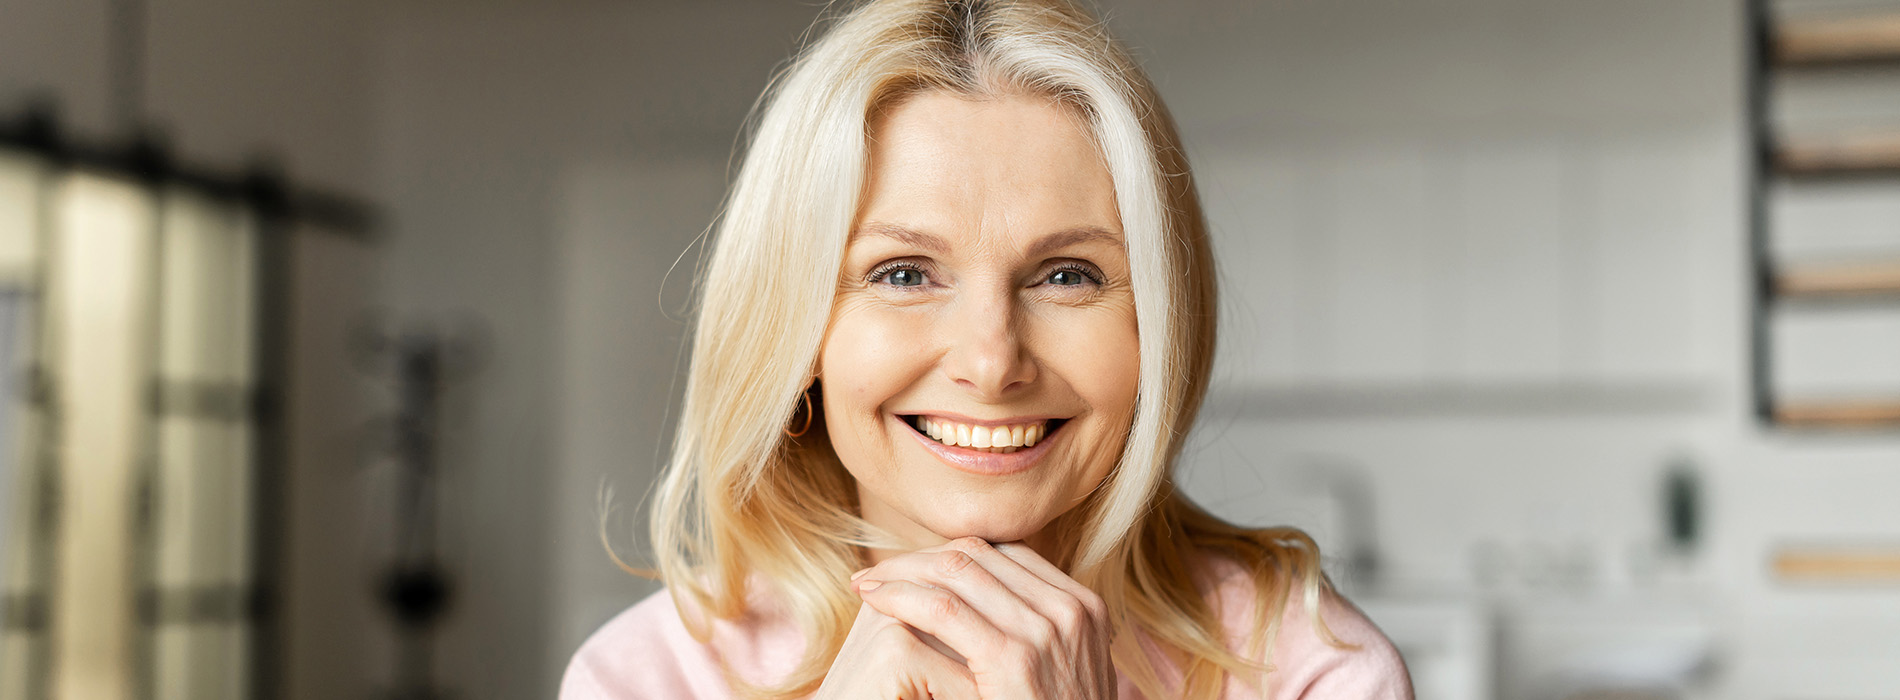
(984, 297)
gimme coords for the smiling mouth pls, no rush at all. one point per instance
(982, 438)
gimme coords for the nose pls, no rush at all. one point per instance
(986, 354)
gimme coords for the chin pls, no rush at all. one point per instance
(990, 529)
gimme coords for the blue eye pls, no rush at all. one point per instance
(899, 275)
(1072, 274)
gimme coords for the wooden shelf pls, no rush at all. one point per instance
(1816, 41)
(1839, 280)
(1869, 153)
(1838, 564)
(1855, 414)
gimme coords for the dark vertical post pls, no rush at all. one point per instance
(151, 165)
(271, 459)
(1761, 158)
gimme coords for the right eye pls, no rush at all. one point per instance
(899, 275)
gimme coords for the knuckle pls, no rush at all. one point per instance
(942, 605)
(1070, 613)
(1093, 604)
(953, 562)
(1038, 632)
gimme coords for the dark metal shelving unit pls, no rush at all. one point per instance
(1784, 46)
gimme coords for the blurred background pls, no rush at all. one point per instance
(1571, 329)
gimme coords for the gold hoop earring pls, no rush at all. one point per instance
(805, 397)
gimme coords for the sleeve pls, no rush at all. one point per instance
(1307, 667)
(644, 653)
(581, 682)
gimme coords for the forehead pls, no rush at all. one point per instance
(1014, 166)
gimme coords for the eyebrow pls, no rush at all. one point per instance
(1043, 246)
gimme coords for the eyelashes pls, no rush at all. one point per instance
(885, 270)
(914, 274)
(1086, 271)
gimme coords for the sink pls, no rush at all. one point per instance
(1548, 646)
(1556, 647)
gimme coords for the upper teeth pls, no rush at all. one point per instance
(1005, 438)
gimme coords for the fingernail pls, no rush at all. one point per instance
(860, 572)
(868, 586)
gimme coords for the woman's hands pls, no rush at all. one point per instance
(1006, 624)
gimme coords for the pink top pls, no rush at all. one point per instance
(645, 653)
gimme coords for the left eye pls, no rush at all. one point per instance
(1066, 278)
(1070, 275)
(905, 277)
(900, 274)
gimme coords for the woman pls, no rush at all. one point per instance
(958, 317)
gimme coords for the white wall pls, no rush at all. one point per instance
(624, 304)
(547, 163)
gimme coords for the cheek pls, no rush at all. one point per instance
(866, 360)
(1097, 352)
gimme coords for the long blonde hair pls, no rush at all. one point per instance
(740, 503)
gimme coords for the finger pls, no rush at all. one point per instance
(1064, 601)
(937, 612)
(1033, 561)
(1054, 601)
(958, 571)
(1041, 584)
(1027, 584)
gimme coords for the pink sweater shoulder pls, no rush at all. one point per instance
(646, 653)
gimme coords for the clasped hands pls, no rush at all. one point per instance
(968, 620)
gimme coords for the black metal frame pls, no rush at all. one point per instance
(281, 210)
(1761, 152)
(147, 158)
(271, 447)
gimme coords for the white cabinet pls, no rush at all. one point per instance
(1556, 259)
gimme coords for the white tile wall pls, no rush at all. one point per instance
(1513, 248)
(1851, 352)
(1836, 221)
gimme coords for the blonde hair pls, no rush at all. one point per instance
(740, 505)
